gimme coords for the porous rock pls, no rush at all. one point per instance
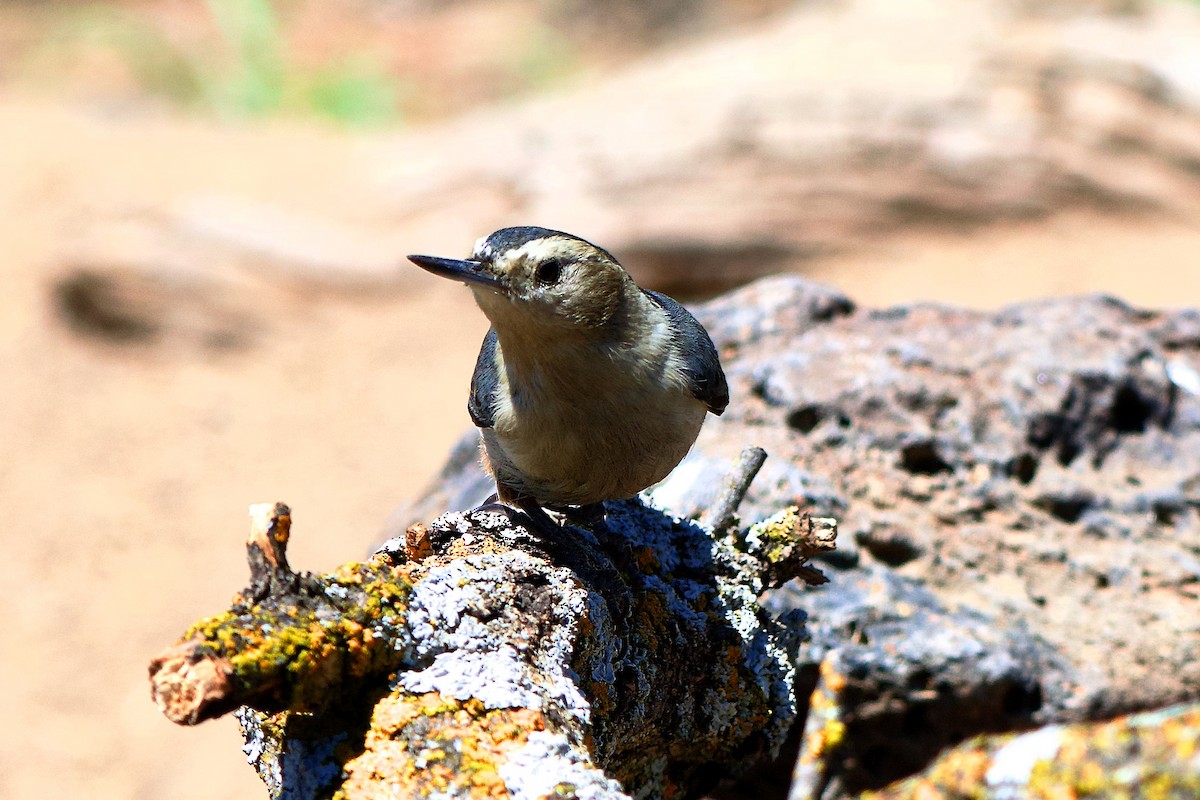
(1152, 754)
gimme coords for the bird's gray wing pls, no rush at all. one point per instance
(706, 379)
(484, 383)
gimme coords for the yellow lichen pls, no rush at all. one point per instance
(823, 741)
(1091, 778)
(777, 534)
(264, 643)
(1180, 735)
(925, 790)
(458, 745)
(963, 771)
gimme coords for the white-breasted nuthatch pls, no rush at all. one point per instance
(587, 387)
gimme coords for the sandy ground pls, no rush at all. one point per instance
(127, 471)
(1152, 263)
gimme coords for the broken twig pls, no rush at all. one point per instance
(723, 515)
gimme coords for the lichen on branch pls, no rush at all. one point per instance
(477, 656)
(289, 641)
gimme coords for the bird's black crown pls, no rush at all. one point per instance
(506, 239)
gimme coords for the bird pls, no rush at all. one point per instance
(587, 387)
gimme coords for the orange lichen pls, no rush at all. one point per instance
(431, 743)
(646, 560)
(834, 681)
(1145, 755)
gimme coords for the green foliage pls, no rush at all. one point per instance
(152, 60)
(356, 92)
(256, 81)
(545, 58)
(247, 72)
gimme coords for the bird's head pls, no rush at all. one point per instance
(535, 275)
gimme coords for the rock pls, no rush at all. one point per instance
(904, 676)
(130, 306)
(966, 443)
(1149, 754)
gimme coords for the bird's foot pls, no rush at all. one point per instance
(586, 516)
(542, 523)
(491, 505)
(523, 511)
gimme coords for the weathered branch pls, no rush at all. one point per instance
(288, 640)
(473, 653)
(723, 515)
(785, 543)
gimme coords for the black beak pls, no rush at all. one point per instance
(472, 273)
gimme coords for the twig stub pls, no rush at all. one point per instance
(723, 515)
(785, 542)
(266, 550)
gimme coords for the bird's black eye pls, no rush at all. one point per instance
(548, 272)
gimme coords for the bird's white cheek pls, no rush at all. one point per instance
(503, 418)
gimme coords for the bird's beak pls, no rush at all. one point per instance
(472, 273)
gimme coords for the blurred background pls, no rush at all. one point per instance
(204, 208)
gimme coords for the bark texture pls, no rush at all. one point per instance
(475, 657)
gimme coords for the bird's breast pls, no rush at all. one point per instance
(591, 427)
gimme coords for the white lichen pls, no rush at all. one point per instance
(549, 766)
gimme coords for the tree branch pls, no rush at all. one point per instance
(473, 653)
(723, 514)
